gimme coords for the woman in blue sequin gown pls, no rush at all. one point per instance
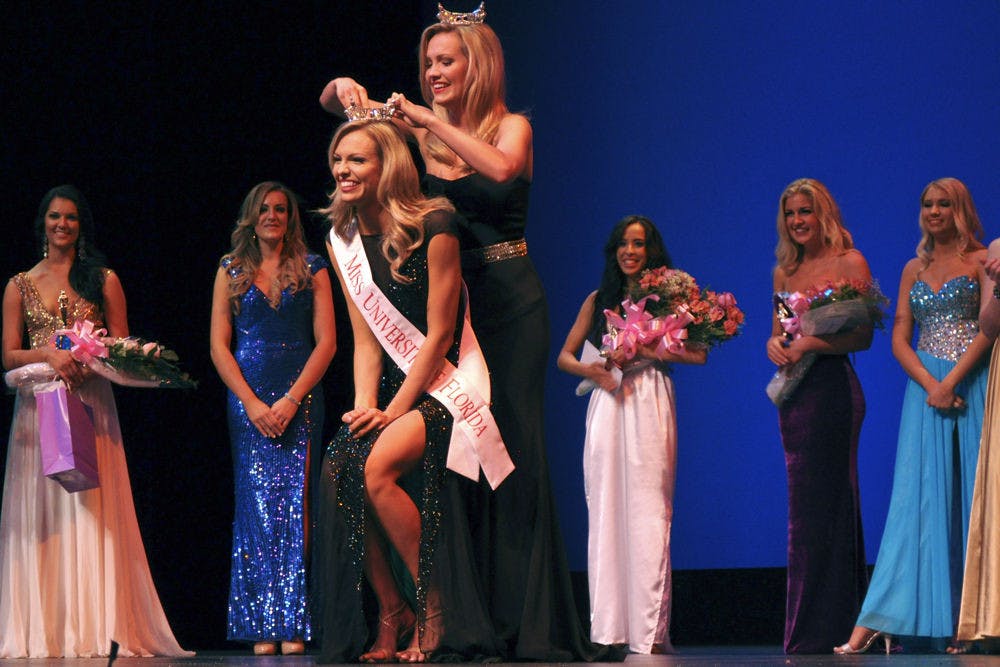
(272, 339)
(917, 581)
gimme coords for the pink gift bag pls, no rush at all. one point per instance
(66, 435)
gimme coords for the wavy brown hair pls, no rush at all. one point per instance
(398, 193)
(244, 258)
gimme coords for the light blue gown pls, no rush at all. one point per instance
(917, 582)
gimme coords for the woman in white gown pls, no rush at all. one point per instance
(73, 571)
(629, 456)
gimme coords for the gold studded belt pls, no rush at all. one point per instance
(497, 252)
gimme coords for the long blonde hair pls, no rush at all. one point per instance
(835, 235)
(484, 92)
(244, 258)
(398, 193)
(967, 224)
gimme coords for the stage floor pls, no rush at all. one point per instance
(755, 656)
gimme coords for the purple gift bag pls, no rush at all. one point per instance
(66, 435)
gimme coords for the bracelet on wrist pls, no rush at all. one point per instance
(296, 402)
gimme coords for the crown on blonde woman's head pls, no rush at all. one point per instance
(356, 112)
(460, 18)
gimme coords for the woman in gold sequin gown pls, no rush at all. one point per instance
(73, 570)
(979, 616)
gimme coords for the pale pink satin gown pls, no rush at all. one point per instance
(629, 466)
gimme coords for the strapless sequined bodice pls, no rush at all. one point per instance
(41, 323)
(948, 319)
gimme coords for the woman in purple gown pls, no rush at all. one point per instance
(820, 423)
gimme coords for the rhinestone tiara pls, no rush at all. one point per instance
(356, 112)
(459, 18)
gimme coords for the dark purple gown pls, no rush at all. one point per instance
(827, 574)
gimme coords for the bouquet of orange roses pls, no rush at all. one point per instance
(669, 306)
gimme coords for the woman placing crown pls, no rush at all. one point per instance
(479, 155)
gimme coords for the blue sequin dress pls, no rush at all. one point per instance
(267, 595)
(917, 582)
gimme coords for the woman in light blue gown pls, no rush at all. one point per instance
(917, 582)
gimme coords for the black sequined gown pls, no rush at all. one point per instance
(517, 544)
(445, 566)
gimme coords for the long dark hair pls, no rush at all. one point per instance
(86, 276)
(613, 283)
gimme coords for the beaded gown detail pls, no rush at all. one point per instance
(73, 570)
(518, 547)
(917, 580)
(450, 618)
(268, 598)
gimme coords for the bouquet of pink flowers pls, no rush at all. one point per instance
(669, 306)
(834, 308)
(127, 361)
(132, 362)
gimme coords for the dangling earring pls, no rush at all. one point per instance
(45, 249)
(80, 249)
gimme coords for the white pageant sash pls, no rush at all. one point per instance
(464, 391)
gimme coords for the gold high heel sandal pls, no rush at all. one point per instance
(847, 649)
(293, 647)
(265, 648)
(404, 629)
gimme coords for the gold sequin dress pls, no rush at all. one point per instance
(73, 570)
(979, 616)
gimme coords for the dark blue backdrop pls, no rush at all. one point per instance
(697, 114)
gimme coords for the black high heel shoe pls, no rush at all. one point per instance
(847, 649)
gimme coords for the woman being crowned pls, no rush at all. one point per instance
(420, 412)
